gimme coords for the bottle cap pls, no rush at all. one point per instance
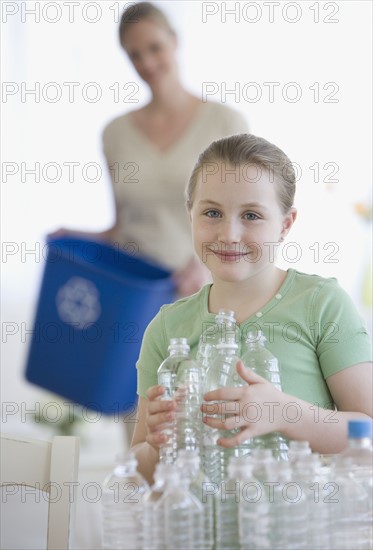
(253, 337)
(179, 344)
(360, 428)
(226, 315)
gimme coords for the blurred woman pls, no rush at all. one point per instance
(151, 151)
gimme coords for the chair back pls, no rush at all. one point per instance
(48, 466)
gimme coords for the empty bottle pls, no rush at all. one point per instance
(226, 508)
(287, 511)
(153, 511)
(189, 384)
(179, 351)
(223, 327)
(253, 509)
(260, 460)
(183, 513)
(122, 496)
(352, 471)
(222, 373)
(298, 450)
(199, 485)
(309, 475)
(261, 361)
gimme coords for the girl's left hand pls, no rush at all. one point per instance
(254, 408)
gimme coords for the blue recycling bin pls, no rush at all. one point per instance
(94, 305)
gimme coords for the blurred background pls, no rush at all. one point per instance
(300, 72)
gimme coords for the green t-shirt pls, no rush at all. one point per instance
(311, 326)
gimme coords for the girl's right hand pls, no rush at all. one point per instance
(160, 412)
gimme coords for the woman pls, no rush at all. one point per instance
(151, 151)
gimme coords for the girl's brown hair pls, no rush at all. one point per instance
(246, 149)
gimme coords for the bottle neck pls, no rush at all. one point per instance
(179, 353)
(254, 345)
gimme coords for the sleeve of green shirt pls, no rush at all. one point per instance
(343, 340)
(152, 353)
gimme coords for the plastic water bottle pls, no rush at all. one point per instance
(223, 327)
(298, 450)
(222, 373)
(199, 486)
(153, 511)
(189, 385)
(287, 509)
(178, 352)
(261, 361)
(308, 473)
(183, 514)
(122, 496)
(226, 508)
(261, 459)
(253, 509)
(358, 455)
(353, 478)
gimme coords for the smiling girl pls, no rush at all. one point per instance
(240, 202)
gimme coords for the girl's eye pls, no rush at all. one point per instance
(212, 213)
(251, 216)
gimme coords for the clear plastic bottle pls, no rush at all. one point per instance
(358, 455)
(287, 509)
(122, 498)
(199, 486)
(224, 326)
(226, 508)
(189, 385)
(183, 513)
(261, 459)
(253, 509)
(259, 359)
(352, 471)
(298, 450)
(308, 473)
(153, 515)
(222, 373)
(179, 352)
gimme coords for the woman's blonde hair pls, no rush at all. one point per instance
(142, 10)
(243, 150)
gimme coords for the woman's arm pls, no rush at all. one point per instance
(259, 408)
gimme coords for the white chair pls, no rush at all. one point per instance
(48, 466)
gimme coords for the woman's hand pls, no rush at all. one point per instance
(159, 414)
(254, 408)
(192, 277)
(62, 232)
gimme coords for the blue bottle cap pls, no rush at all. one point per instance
(360, 428)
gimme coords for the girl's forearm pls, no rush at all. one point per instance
(324, 429)
(147, 458)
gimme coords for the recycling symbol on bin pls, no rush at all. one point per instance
(78, 302)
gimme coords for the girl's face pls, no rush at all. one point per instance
(151, 48)
(237, 221)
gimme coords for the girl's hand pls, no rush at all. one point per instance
(159, 414)
(254, 409)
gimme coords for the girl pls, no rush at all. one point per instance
(240, 202)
